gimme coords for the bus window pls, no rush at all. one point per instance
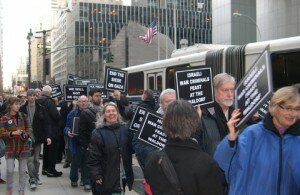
(151, 82)
(159, 83)
(285, 68)
(170, 81)
(136, 83)
(155, 81)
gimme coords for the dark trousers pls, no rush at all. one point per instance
(83, 155)
(49, 156)
(60, 148)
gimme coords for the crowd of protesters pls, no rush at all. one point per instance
(204, 152)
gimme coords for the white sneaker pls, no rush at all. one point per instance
(32, 186)
(39, 182)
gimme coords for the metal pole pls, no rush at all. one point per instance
(158, 27)
(175, 24)
(126, 47)
(167, 29)
(44, 57)
(29, 63)
(252, 20)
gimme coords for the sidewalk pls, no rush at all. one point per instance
(61, 185)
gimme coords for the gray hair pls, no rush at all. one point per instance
(47, 88)
(222, 78)
(101, 121)
(166, 91)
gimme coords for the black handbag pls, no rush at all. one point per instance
(169, 171)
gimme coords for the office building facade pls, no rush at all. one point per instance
(89, 30)
(242, 22)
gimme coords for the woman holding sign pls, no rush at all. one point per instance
(265, 158)
(110, 161)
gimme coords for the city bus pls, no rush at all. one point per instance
(235, 60)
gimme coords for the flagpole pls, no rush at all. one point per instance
(167, 29)
(175, 25)
(158, 25)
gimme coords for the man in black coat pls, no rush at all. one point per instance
(36, 115)
(52, 124)
(215, 118)
(86, 125)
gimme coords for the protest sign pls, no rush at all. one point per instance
(73, 92)
(137, 118)
(255, 88)
(194, 84)
(56, 91)
(115, 79)
(85, 81)
(264, 109)
(71, 79)
(151, 131)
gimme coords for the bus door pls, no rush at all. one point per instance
(154, 81)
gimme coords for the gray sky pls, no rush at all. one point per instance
(18, 17)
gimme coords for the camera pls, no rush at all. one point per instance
(23, 135)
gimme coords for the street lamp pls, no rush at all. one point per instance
(237, 14)
(29, 37)
(44, 53)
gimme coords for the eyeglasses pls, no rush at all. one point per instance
(289, 109)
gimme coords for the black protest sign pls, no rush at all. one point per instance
(255, 88)
(71, 79)
(99, 86)
(264, 109)
(85, 81)
(194, 84)
(115, 79)
(137, 118)
(75, 125)
(56, 91)
(73, 92)
(151, 131)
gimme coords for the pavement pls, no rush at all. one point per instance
(61, 185)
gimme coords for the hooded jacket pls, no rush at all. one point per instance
(262, 161)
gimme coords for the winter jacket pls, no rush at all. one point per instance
(108, 143)
(261, 161)
(17, 146)
(197, 172)
(52, 117)
(73, 141)
(64, 111)
(87, 121)
(39, 122)
(148, 103)
(215, 128)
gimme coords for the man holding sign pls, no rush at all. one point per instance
(215, 118)
(69, 130)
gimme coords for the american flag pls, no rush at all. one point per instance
(151, 32)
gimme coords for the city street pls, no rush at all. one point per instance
(61, 185)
